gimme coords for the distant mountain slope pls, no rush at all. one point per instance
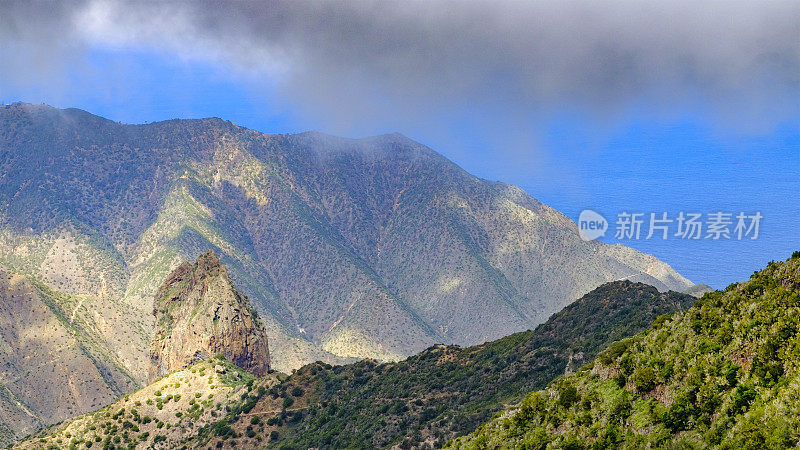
(724, 374)
(53, 364)
(698, 290)
(428, 398)
(375, 247)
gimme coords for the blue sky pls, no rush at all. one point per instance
(650, 145)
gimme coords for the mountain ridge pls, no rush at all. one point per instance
(340, 243)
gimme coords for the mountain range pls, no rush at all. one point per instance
(375, 247)
(347, 248)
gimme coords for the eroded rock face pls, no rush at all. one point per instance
(200, 314)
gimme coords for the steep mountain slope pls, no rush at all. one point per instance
(441, 393)
(724, 374)
(375, 247)
(53, 365)
(199, 314)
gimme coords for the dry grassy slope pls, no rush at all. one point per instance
(376, 247)
(53, 365)
(164, 414)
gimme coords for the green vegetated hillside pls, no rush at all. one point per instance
(724, 374)
(443, 392)
(447, 391)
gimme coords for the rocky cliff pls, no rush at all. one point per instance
(199, 314)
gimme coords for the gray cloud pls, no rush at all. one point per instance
(35, 42)
(351, 61)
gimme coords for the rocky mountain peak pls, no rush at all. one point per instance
(199, 314)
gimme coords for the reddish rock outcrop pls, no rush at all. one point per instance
(200, 314)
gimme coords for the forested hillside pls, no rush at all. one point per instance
(724, 374)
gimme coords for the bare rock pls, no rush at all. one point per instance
(199, 314)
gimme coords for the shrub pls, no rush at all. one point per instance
(732, 374)
(743, 396)
(644, 379)
(222, 429)
(679, 414)
(528, 409)
(621, 407)
(708, 400)
(567, 395)
(614, 351)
